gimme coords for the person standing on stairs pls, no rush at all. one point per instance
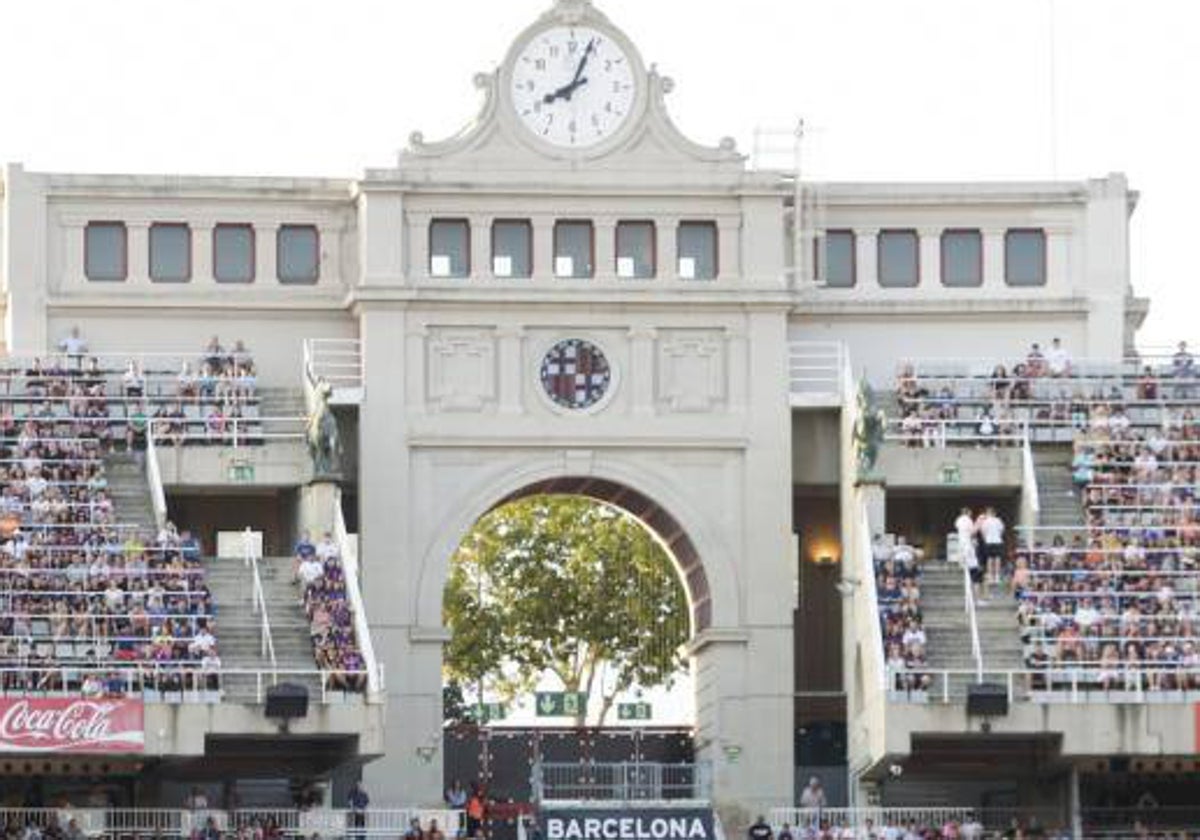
(991, 537)
(964, 527)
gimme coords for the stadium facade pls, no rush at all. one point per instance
(571, 296)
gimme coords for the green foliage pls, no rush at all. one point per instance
(565, 585)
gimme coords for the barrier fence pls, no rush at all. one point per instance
(328, 823)
(621, 781)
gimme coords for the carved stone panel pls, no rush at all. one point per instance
(692, 371)
(462, 369)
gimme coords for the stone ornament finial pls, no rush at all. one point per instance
(571, 11)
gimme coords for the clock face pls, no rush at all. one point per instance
(575, 374)
(573, 86)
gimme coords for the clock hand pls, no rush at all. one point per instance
(583, 62)
(565, 91)
(577, 80)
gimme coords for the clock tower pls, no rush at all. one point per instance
(571, 296)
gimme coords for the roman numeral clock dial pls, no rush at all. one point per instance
(573, 87)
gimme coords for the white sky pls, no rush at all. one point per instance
(893, 89)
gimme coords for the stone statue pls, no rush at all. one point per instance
(868, 431)
(324, 441)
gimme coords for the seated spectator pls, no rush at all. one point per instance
(1058, 360)
(133, 380)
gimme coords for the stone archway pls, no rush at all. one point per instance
(651, 514)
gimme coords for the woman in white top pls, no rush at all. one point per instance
(965, 528)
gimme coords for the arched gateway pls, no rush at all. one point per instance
(597, 307)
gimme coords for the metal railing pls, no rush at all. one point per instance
(1054, 684)
(1029, 480)
(972, 621)
(621, 781)
(167, 683)
(158, 495)
(235, 432)
(348, 552)
(259, 599)
(862, 819)
(937, 433)
(867, 572)
(181, 822)
(339, 361)
(816, 372)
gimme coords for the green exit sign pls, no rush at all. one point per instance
(634, 711)
(488, 712)
(950, 474)
(241, 471)
(561, 703)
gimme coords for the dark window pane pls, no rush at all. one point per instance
(512, 248)
(298, 258)
(635, 250)
(898, 266)
(170, 253)
(962, 258)
(839, 259)
(104, 251)
(697, 250)
(449, 248)
(1025, 258)
(573, 250)
(233, 253)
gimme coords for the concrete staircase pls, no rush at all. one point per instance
(1060, 503)
(948, 629)
(129, 489)
(281, 402)
(238, 631)
(239, 634)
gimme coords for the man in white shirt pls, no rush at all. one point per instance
(202, 644)
(327, 548)
(991, 533)
(310, 571)
(73, 345)
(964, 527)
(1058, 360)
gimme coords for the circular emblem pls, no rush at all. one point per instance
(575, 374)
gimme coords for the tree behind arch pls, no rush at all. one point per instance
(565, 585)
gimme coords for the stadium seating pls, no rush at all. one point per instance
(898, 591)
(322, 579)
(1113, 605)
(88, 604)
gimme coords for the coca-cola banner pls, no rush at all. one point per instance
(71, 725)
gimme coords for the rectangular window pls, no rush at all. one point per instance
(962, 258)
(298, 254)
(697, 247)
(104, 251)
(1025, 257)
(449, 248)
(899, 259)
(170, 253)
(574, 251)
(233, 253)
(512, 248)
(838, 268)
(636, 245)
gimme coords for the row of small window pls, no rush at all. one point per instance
(635, 248)
(899, 258)
(106, 253)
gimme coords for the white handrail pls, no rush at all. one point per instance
(973, 622)
(158, 495)
(867, 571)
(348, 549)
(1031, 494)
(259, 601)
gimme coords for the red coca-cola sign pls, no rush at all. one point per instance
(71, 725)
